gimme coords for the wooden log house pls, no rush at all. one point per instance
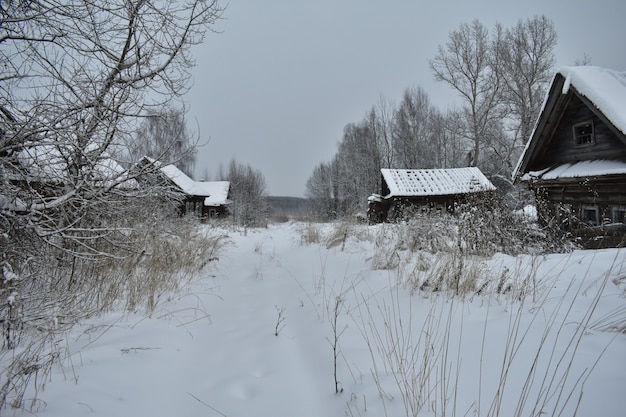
(575, 159)
(207, 199)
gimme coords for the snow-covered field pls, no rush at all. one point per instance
(213, 350)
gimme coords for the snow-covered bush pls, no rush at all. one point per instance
(447, 252)
(334, 234)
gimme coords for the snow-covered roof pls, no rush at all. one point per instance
(429, 182)
(218, 193)
(580, 169)
(375, 198)
(604, 88)
(215, 192)
(178, 177)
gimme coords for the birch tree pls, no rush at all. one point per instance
(411, 131)
(164, 136)
(449, 139)
(381, 120)
(320, 190)
(247, 191)
(342, 186)
(360, 164)
(501, 79)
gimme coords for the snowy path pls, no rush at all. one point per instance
(213, 351)
(274, 375)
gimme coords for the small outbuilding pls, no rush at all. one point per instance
(425, 190)
(575, 159)
(207, 199)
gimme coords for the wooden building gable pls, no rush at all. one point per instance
(573, 125)
(575, 159)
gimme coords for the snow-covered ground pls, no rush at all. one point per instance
(213, 350)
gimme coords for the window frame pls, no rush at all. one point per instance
(589, 207)
(614, 214)
(577, 137)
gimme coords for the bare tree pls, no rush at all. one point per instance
(449, 139)
(342, 186)
(79, 73)
(76, 75)
(247, 191)
(411, 130)
(381, 121)
(164, 136)
(584, 61)
(359, 164)
(525, 62)
(319, 190)
(467, 63)
(502, 80)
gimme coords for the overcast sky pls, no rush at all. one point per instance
(275, 88)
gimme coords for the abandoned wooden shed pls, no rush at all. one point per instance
(575, 159)
(207, 199)
(425, 190)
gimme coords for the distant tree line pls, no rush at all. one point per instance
(500, 76)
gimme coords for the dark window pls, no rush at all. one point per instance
(589, 215)
(583, 134)
(619, 214)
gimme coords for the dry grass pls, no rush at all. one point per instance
(463, 258)
(310, 233)
(419, 359)
(56, 292)
(443, 252)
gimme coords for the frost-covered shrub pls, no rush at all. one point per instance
(450, 272)
(387, 248)
(449, 252)
(457, 274)
(338, 234)
(486, 226)
(432, 234)
(168, 259)
(9, 312)
(310, 233)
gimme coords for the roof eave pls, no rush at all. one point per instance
(554, 95)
